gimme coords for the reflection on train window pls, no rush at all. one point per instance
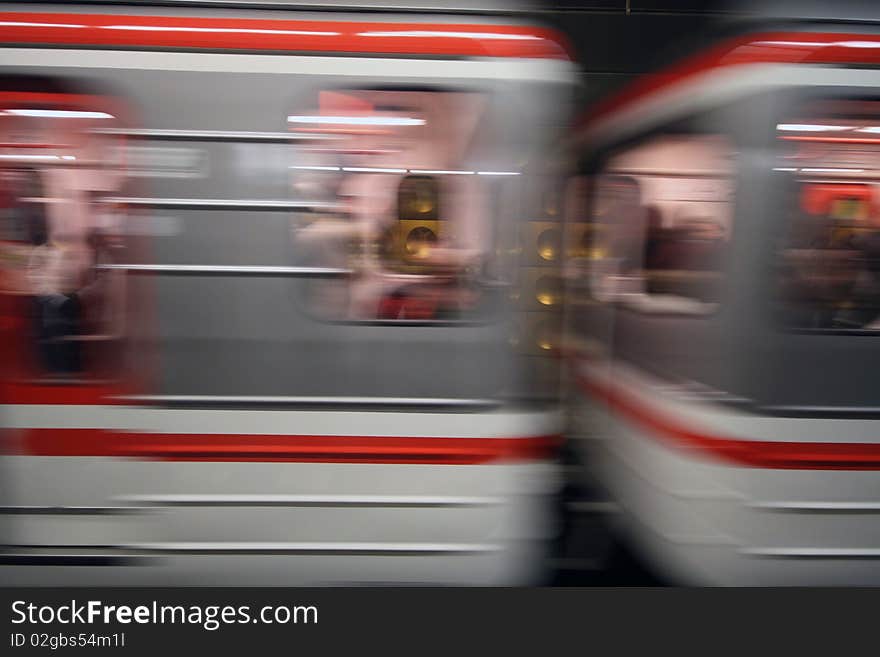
(662, 221)
(408, 219)
(830, 256)
(63, 309)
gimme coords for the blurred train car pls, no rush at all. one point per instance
(280, 294)
(723, 320)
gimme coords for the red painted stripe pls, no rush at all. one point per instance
(270, 448)
(280, 35)
(762, 48)
(50, 392)
(751, 453)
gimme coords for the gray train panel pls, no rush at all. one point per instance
(252, 335)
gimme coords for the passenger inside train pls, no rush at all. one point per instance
(830, 254)
(662, 231)
(59, 234)
(413, 224)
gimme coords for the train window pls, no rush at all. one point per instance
(830, 255)
(405, 215)
(63, 307)
(661, 222)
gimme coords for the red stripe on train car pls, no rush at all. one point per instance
(281, 35)
(751, 453)
(49, 392)
(762, 48)
(273, 448)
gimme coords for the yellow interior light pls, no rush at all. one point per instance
(549, 242)
(418, 198)
(545, 338)
(551, 207)
(548, 290)
(420, 241)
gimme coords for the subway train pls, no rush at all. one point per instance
(281, 294)
(722, 224)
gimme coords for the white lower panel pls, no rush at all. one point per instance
(275, 523)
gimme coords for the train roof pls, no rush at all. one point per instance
(397, 6)
(360, 35)
(800, 44)
(839, 11)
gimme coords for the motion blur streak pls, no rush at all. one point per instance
(280, 35)
(753, 453)
(314, 295)
(323, 449)
(267, 312)
(724, 307)
(761, 48)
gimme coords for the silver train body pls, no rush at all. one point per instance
(721, 321)
(267, 406)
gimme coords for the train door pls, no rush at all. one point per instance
(66, 324)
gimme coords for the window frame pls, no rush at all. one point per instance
(493, 290)
(593, 164)
(795, 99)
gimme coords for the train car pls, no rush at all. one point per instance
(280, 294)
(722, 325)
